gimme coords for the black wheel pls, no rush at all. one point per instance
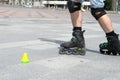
(101, 51)
(108, 52)
(114, 53)
(68, 52)
(119, 53)
(61, 50)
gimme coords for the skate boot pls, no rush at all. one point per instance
(110, 47)
(76, 46)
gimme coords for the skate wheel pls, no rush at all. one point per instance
(61, 50)
(119, 53)
(114, 53)
(101, 51)
(83, 52)
(108, 52)
(105, 52)
(67, 52)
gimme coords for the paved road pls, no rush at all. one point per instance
(39, 33)
(15, 12)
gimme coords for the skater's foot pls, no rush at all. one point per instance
(75, 46)
(112, 47)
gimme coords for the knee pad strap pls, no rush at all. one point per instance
(97, 12)
(73, 6)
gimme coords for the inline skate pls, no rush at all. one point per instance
(75, 46)
(110, 47)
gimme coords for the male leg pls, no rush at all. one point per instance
(97, 10)
(77, 44)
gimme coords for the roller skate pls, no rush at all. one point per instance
(112, 47)
(76, 46)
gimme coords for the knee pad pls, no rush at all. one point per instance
(73, 6)
(97, 12)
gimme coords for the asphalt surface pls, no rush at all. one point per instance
(39, 32)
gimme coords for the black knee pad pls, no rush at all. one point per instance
(73, 6)
(97, 12)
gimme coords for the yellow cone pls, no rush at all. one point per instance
(25, 59)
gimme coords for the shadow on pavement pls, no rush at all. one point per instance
(51, 40)
(59, 42)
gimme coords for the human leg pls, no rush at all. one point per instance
(101, 16)
(76, 45)
(74, 7)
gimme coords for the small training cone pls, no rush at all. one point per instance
(25, 59)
